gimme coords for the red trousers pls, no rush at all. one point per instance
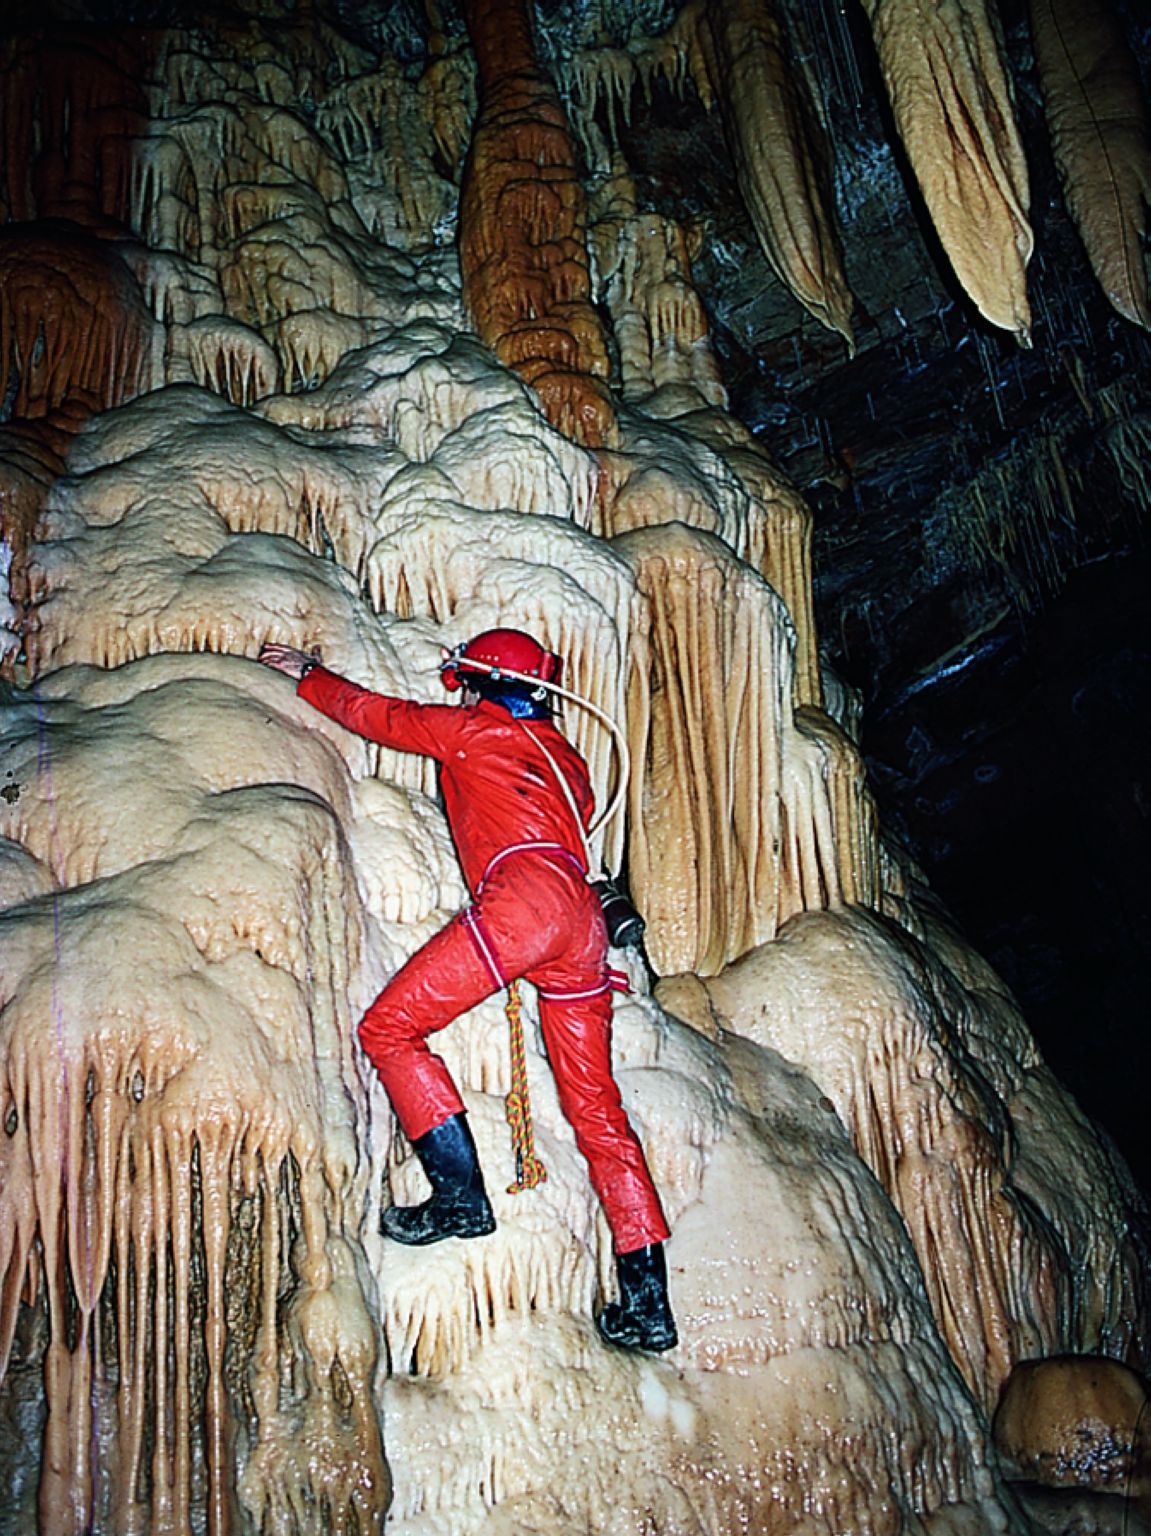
(535, 917)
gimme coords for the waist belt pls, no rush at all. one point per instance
(616, 981)
(553, 849)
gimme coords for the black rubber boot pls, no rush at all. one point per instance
(459, 1203)
(641, 1319)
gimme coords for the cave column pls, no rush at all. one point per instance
(523, 230)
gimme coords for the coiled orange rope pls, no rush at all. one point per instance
(530, 1171)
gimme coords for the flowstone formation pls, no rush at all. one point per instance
(251, 394)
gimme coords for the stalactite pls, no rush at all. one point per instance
(848, 860)
(752, 819)
(389, 130)
(706, 470)
(644, 270)
(523, 253)
(1018, 520)
(72, 323)
(772, 533)
(601, 83)
(1127, 440)
(954, 108)
(312, 342)
(708, 893)
(73, 101)
(775, 143)
(226, 357)
(1099, 134)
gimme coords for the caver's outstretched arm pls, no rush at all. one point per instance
(426, 728)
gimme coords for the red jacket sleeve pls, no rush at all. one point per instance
(428, 728)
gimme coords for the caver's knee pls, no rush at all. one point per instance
(386, 1026)
(596, 1114)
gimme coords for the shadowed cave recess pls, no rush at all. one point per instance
(783, 366)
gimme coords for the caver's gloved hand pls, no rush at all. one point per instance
(289, 659)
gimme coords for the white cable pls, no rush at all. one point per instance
(617, 735)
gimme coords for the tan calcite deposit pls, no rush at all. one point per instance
(523, 246)
(277, 427)
(1100, 138)
(951, 94)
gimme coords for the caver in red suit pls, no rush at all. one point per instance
(533, 915)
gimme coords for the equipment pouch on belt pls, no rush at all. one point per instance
(625, 926)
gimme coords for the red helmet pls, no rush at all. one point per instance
(505, 653)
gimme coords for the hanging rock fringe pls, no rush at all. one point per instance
(530, 1171)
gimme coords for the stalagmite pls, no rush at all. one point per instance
(871, 1020)
(779, 157)
(954, 108)
(1073, 1422)
(1099, 134)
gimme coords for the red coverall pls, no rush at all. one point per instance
(533, 915)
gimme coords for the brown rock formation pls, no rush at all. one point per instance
(523, 242)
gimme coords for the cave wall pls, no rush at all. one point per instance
(346, 334)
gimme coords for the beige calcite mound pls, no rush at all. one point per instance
(809, 1373)
(180, 931)
(1015, 1207)
(196, 854)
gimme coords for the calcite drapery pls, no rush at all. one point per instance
(756, 816)
(953, 103)
(73, 99)
(73, 325)
(1098, 128)
(779, 154)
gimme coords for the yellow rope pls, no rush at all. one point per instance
(517, 1106)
